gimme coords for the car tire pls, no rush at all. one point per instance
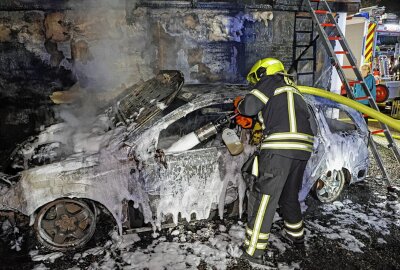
(65, 224)
(329, 186)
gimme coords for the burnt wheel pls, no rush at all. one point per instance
(329, 186)
(65, 224)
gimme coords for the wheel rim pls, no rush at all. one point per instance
(65, 224)
(330, 185)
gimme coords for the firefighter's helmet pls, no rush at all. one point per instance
(266, 66)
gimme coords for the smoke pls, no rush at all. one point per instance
(106, 55)
(107, 52)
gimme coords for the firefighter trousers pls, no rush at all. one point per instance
(279, 182)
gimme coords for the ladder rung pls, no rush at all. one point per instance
(342, 52)
(362, 98)
(348, 67)
(320, 11)
(304, 32)
(335, 38)
(305, 73)
(328, 25)
(303, 17)
(351, 83)
(378, 131)
(306, 59)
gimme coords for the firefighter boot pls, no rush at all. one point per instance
(257, 258)
(296, 241)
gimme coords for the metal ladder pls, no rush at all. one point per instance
(303, 47)
(329, 30)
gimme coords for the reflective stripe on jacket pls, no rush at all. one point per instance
(283, 114)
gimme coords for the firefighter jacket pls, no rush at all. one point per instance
(283, 114)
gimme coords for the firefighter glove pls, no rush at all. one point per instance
(244, 122)
(236, 101)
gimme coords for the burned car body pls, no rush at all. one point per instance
(118, 166)
(334, 162)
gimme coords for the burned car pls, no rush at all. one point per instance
(119, 163)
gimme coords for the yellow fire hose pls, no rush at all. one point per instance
(357, 106)
(397, 137)
(352, 104)
(381, 135)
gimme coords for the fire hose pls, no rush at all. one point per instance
(352, 104)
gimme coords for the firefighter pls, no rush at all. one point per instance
(284, 151)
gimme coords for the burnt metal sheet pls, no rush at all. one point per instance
(142, 101)
(181, 169)
(191, 184)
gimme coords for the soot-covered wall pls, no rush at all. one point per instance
(107, 45)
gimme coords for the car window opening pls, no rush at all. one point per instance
(192, 122)
(343, 123)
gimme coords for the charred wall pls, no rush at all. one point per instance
(272, 40)
(26, 79)
(106, 45)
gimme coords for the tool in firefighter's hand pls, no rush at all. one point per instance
(226, 119)
(243, 121)
(194, 138)
(236, 101)
(213, 128)
(229, 136)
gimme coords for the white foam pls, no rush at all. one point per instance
(40, 267)
(349, 223)
(51, 257)
(185, 143)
